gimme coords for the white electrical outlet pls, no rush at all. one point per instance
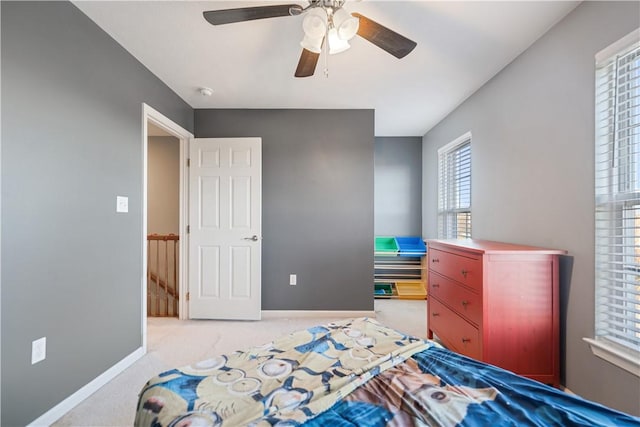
(38, 350)
(293, 279)
(122, 204)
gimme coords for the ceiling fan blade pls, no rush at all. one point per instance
(229, 16)
(394, 43)
(307, 63)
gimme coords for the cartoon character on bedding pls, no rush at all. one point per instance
(291, 379)
(416, 398)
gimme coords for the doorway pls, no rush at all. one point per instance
(163, 222)
(155, 123)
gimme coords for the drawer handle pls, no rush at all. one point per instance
(466, 340)
(465, 304)
(435, 314)
(464, 273)
(435, 260)
(436, 285)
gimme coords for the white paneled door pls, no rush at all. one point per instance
(225, 237)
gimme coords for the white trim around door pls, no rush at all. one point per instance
(151, 115)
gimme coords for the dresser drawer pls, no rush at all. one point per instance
(464, 269)
(456, 333)
(460, 299)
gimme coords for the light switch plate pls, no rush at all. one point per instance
(122, 204)
(38, 350)
(293, 279)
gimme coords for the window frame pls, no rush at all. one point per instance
(612, 206)
(447, 193)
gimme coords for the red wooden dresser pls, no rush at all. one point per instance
(498, 303)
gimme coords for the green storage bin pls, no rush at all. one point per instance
(383, 289)
(386, 246)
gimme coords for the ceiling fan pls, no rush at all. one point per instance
(326, 23)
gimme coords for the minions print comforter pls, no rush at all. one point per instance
(285, 382)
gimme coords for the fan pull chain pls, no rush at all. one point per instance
(326, 55)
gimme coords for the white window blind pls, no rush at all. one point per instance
(454, 189)
(617, 191)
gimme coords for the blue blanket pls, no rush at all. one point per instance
(437, 387)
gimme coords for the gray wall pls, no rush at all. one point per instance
(533, 172)
(398, 186)
(163, 196)
(317, 203)
(71, 141)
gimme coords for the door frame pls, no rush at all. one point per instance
(149, 114)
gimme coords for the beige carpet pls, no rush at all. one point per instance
(173, 343)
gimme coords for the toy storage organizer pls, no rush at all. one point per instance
(400, 269)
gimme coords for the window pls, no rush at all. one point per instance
(617, 191)
(454, 189)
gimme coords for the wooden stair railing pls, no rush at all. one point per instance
(163, 285)
(162, 275)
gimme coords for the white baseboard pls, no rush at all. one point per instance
(279, 314)
(58, 411)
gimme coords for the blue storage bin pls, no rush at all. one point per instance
(411, 246)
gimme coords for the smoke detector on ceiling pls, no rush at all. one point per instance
(205, 91)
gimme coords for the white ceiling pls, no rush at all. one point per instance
(461, 45)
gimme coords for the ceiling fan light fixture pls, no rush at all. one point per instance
(312, 44)
(314, 23)
(336, 44)
(346, 24)
(327, 26)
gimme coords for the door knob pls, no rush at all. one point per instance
(253, 238)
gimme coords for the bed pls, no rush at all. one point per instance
(357, 372)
